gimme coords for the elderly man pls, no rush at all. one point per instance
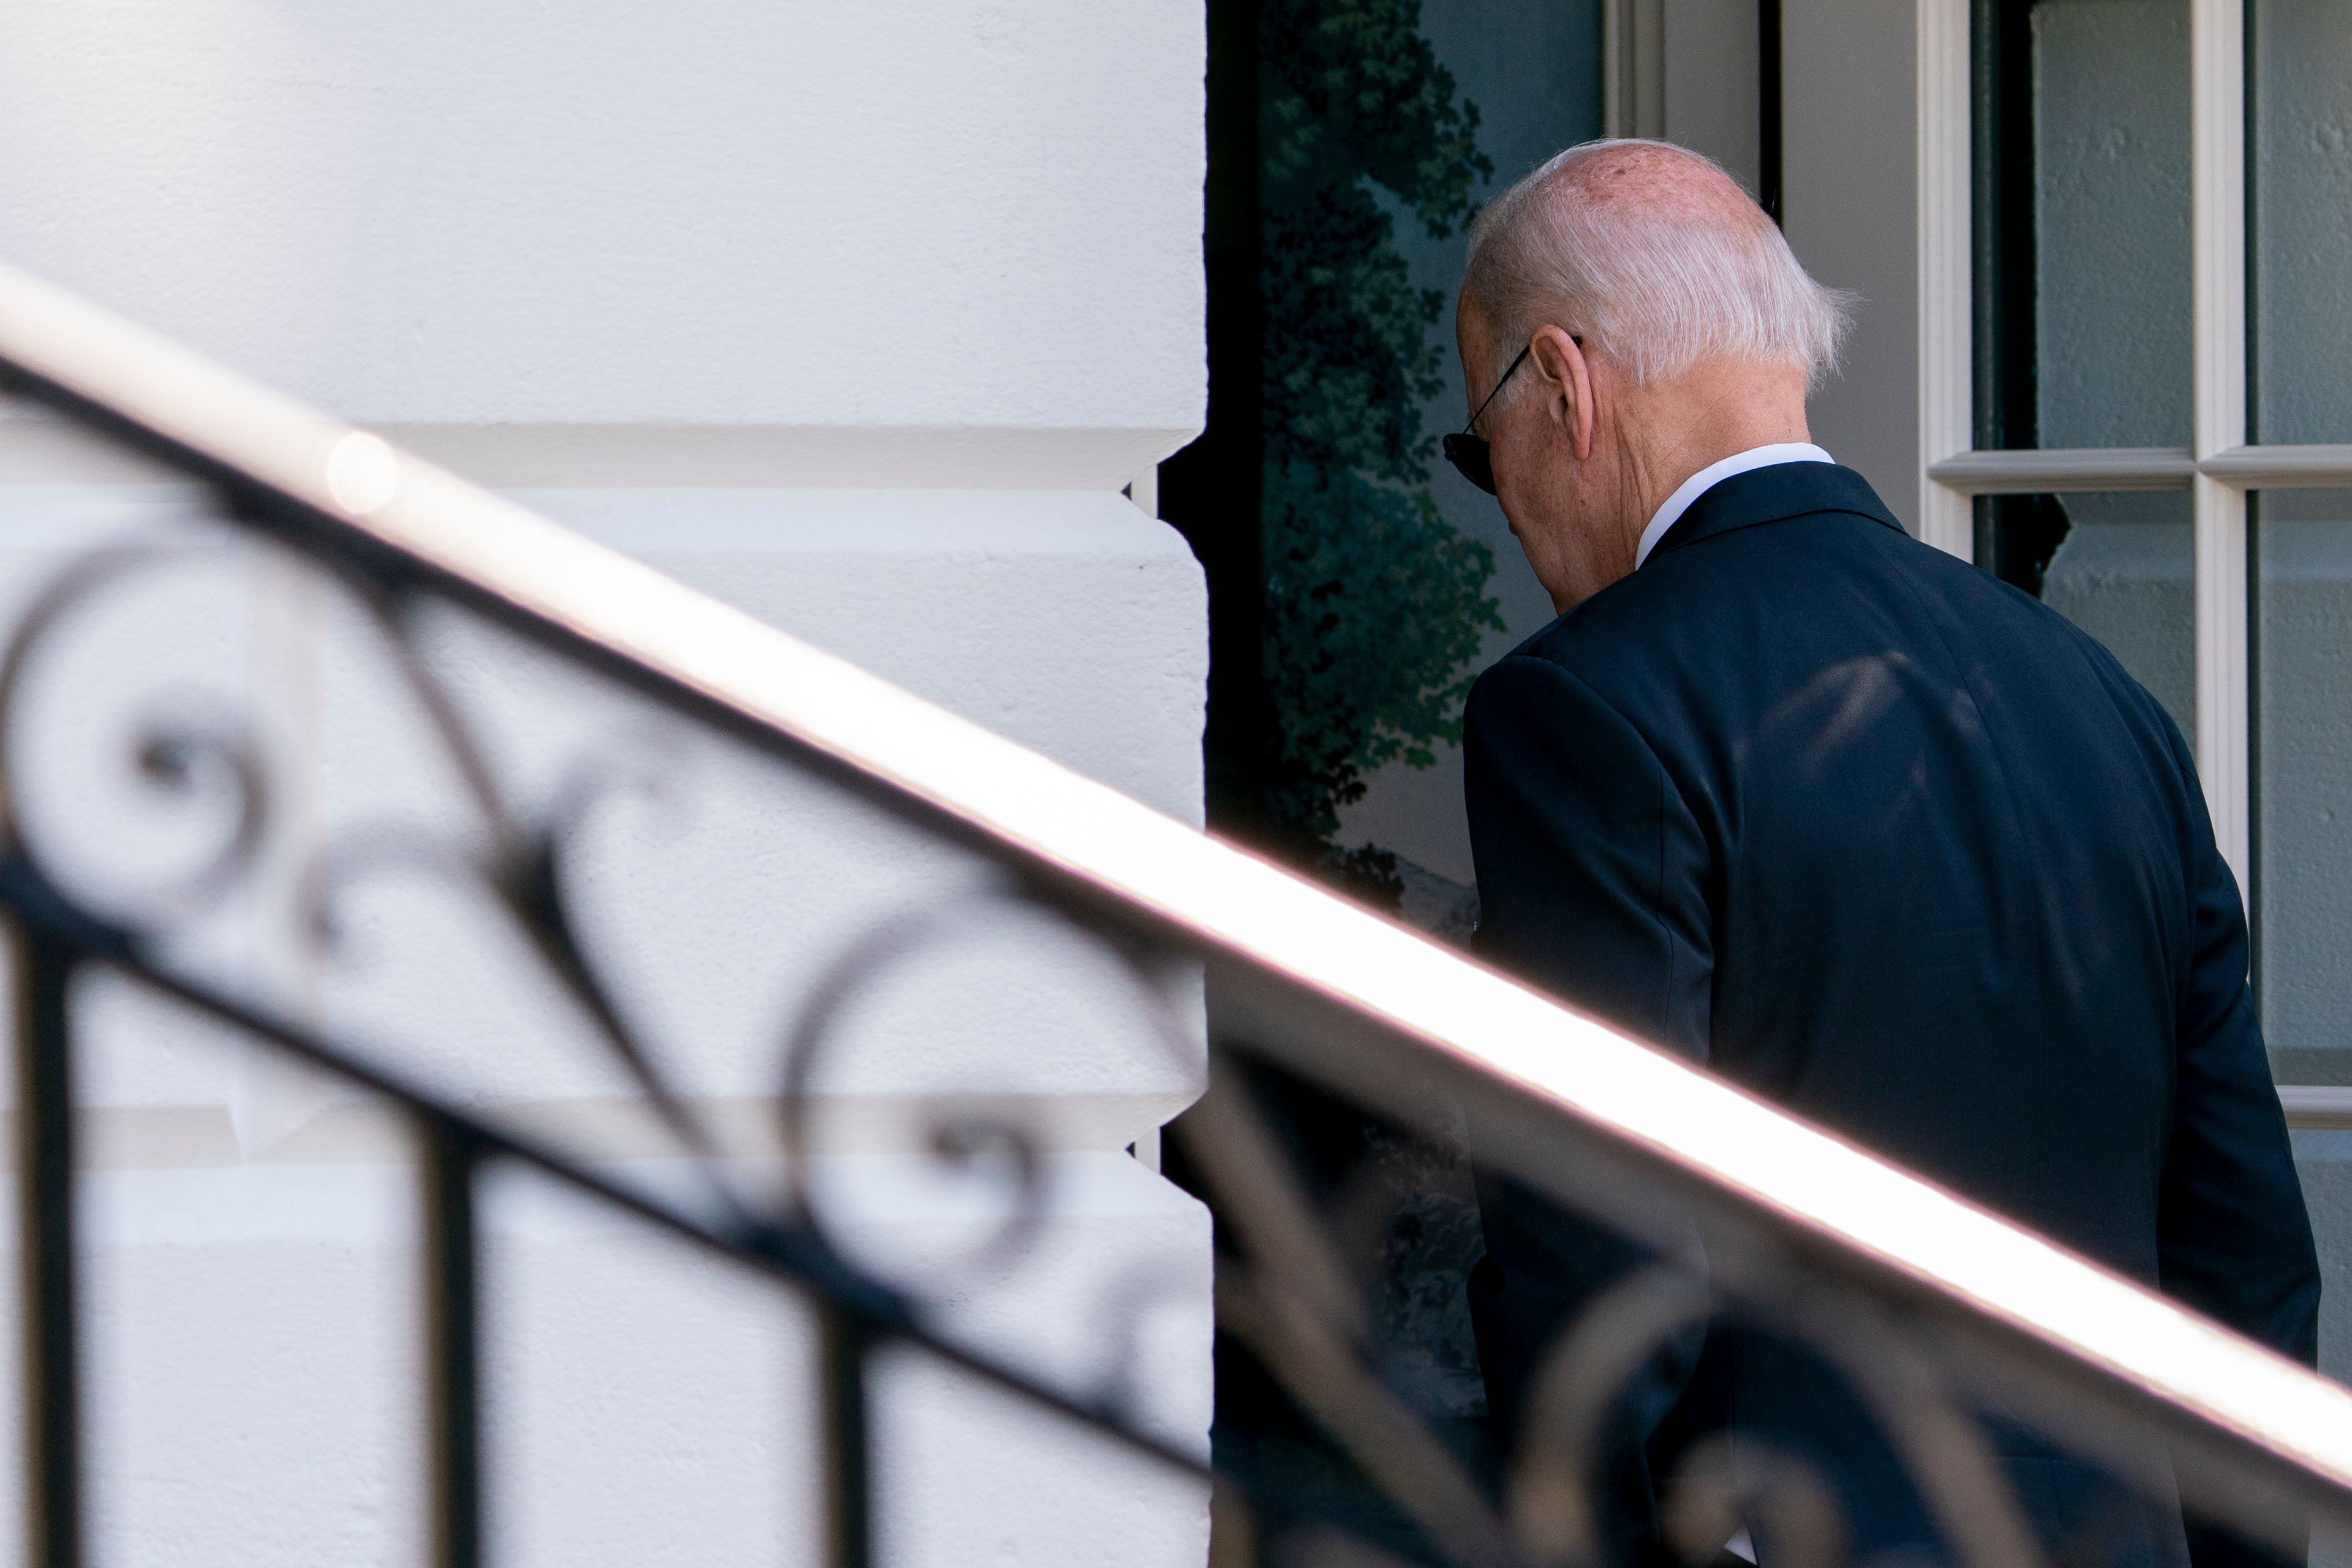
(1842, 818)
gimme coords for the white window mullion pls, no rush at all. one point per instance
(1946, 299)
(2218, 168)
(1633, 68)
(2222, 758)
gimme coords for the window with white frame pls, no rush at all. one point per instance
(2136, 239)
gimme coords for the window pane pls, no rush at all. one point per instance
(2083, 224)
(2126, 573)
(2111, 111)
(2301, 206)
(2119, 564)
(2302, 883)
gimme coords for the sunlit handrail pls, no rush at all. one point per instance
(1476, 1028)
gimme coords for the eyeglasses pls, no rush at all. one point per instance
(1468, 451)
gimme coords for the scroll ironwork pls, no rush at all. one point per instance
(1945, 1349)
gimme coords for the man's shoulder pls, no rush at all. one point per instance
(1577, 647)
(1832, 560)
(1605, 656)
(1742, 617)
(1680, 601)
(1742, 613)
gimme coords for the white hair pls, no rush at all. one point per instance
(1657, 270)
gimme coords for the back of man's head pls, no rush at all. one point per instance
(1655, 256)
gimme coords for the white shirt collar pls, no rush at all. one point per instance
(1713, 474)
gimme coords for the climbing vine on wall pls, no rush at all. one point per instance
(1374, 604)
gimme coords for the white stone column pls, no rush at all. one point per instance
(859, 317)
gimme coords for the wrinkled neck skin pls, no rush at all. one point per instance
(1584, 459)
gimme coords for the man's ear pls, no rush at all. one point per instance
(1557, 360)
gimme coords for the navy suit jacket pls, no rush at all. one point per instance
(1902, 849)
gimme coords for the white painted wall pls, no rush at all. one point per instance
(856, 316)
(1850, 208)
(933, 215)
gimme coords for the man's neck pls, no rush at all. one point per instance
(1670, 430)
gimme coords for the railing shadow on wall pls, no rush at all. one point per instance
(1947, 1325)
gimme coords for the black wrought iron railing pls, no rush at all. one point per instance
(1947, 1325)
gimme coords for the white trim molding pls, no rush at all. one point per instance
(1633, 68)
(2280, 467)
(2222, 675)
(2315, 1106)
(1947, 332)
(1144, 491)
(2217, 179)
(2065, 469)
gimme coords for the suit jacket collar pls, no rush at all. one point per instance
(1768, 495)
